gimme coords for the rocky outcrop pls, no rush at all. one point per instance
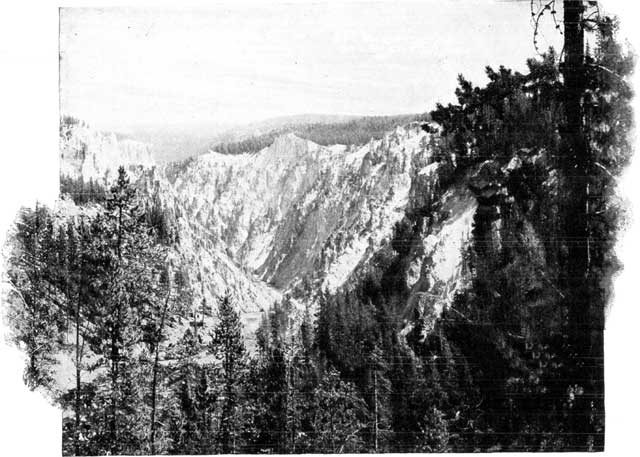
(515, 242)
(297, 209)
(298, 217)
(437, 269)
(96, 156)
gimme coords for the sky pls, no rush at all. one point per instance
(237, 63)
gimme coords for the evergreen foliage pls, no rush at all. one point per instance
(511, 365)
(82, 192)
(227, 347)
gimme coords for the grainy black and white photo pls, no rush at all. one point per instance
(328, 227)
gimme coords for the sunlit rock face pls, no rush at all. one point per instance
(96, 156)
(297, 209)
(297, 216)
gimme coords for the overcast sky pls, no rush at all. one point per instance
(122, 67)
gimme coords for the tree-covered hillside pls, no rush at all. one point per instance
(506, 354)
(352, 132)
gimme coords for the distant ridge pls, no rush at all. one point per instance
(325, 130)
(176, 142)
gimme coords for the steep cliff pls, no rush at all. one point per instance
(96, 156)
(298, 209)
(297, 218)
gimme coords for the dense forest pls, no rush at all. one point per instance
(82, 191)
(514, 364)
(351, 132)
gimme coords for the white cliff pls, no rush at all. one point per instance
(96, 156)
(296, 215)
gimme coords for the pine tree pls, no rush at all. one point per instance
(36, 310)
(190, 420)
(273, 381)
(156, 319)
(303, 379)
(78, 268)
(341, 415)
(127, 294)
(379, 390)
(227, 347)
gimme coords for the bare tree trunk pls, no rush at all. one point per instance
(78, 382)
(113, 426)
(575, 165)
(375, 409)
(573, 71)
(115, 353)
(154, 381)
(585, 313)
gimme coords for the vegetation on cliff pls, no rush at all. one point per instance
(512, 363)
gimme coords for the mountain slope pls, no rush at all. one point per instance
(297, 217)
(298, 209)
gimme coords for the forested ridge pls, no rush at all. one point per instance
(514, 364)
(350, 132)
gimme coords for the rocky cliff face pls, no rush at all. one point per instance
(298, 217)
(94, 155)
(298, 209)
